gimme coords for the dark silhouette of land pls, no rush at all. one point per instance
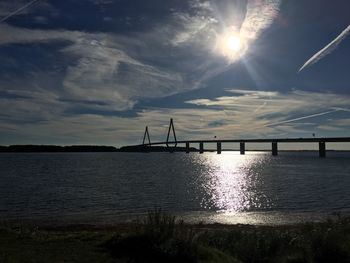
(90, 148)
(164, 238)
(56, 148)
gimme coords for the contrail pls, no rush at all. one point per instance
(17, 11)
(305, 117)
(341, 109)
(327, 49)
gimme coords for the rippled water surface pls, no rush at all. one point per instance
(229, 188)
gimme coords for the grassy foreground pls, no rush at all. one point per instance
(160, 238)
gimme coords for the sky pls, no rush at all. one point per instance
(99, 71)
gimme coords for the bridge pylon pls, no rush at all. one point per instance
(171, 128)
(146, 136)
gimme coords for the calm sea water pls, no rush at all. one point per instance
(229, 188)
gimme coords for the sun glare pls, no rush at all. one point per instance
(231, 45)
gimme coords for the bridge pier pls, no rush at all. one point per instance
(218, 148)
(242, 148)
(187, 147)
(322, 149)
(274, 149)
(201, 147)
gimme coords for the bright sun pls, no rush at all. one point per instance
(231, 45)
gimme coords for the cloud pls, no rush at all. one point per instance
(110, 72)
(102, 2)
(330, 128)
(102, 71)
(212, 20)
(274, 100)
(196, 37)
(260, 15)
(232, 116)
(30, 107)
(40, 20)
(342, 122)
(269, 112)
(16, 35)
(190, 28)
(107, 74)
(113, 72)
(332, 46)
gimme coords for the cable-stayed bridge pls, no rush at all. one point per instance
(172, 145)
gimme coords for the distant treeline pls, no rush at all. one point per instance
(55, 148)
(88, 148)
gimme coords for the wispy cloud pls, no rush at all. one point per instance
(16, 35)
(108, 74)
(198, 36)
(103, 71)
(327, 49)
(281, 111)
(117, 71)
(342, 122)
(102, 2)
(260, 15)
(233, 116)
(212, 20)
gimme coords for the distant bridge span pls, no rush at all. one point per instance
(172, 145)
(283, 140)
(242, 142)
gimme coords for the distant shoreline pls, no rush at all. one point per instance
(56, 148)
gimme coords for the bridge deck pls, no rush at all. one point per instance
(285, 140)
(274, 142)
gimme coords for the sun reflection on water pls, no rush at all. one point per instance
(230, 182)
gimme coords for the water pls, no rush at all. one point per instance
(229, 188)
